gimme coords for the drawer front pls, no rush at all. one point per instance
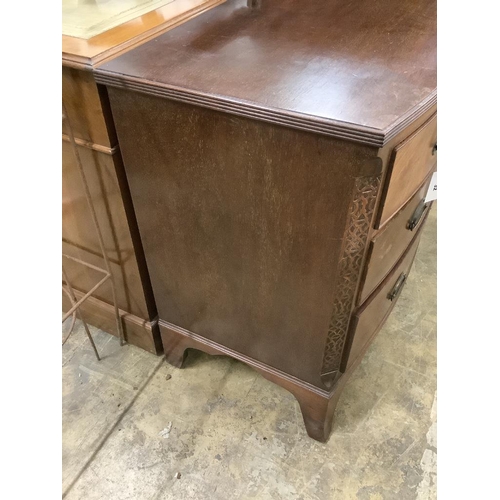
(387, 246)
(369, 318)
(411, 162)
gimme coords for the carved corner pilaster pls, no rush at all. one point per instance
(348, 272)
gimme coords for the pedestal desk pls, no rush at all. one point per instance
(94, 32)
(278, 154)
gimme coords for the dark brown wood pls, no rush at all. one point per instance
(256, 162)
(369, 318)
(349, 267)
(388, 244)
(238, 224)
(223, 227)
(362, 70)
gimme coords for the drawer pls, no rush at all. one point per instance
(369, 318)
(410, 164)
(387, 246)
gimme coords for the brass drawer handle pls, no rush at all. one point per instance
(397, 287)
(417, 215)
(435, 149)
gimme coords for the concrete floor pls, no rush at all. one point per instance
(235, 435)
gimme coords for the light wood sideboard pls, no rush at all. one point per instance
(88, 110)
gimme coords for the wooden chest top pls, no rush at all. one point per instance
(360, 70)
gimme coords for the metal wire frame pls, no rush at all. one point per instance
(75, 304)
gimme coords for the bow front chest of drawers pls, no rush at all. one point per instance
(278, 155)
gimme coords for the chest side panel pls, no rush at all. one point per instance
(243, 225)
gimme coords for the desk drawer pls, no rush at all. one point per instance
(370, 317)
(411, 162)
(391, 241)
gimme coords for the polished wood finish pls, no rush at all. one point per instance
(87, 53)
(111, 197)
(80, 238)
(226, 265)
(391, 241)
(412, 160)
(110, 193)
(257, 162)
(88, 110)
(369, 318)
(85, 109)
(331, 76)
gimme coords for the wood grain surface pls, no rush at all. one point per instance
(86, 53)
(242, 225)
(359, 70)
(80, 238)
(390, 242)
(369, 318)
(257, 142)
(411, 162)
(88, 112)
(138, 331)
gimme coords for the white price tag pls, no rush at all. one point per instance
(432, 192)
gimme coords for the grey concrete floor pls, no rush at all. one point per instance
(235, 435)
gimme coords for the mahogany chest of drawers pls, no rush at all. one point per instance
(278, 154)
